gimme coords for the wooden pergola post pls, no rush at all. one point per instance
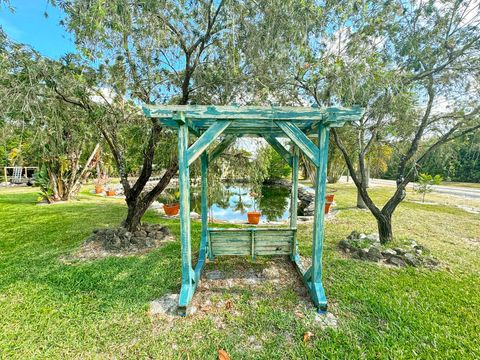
(188, 278)
(204, 214)
(294, 202)
(318, 293)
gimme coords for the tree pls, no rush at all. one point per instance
(458, 160)
(399, 63)
(158, 48)
(54, 132)
(277, 168)
(425, 183)
(173, 52)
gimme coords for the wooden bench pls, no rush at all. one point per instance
(250, 241)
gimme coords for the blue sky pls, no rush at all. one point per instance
(28, 25)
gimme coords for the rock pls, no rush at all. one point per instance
(356, 253)
(166, 305)
(135, 240)
(374, 254)
(309, 210)
(165, 231)
(399, 251)
(420, 248)
(388, 253)
(91, 238)
(156, 235)
(156, 205)
(363, 253)
(412, 260)
(192, 309)
(353, 235)
(194, 215)
(344, 244)
(215, 275)
(374, 237)
(396, 260)
(431, 261)
(140, 233)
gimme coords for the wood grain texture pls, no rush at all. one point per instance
(301, 140)
(253, 120)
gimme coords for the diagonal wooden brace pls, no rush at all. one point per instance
(221, 147)
(279, 148)
(206, 139)
(301, 140)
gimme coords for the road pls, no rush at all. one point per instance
(463, 192)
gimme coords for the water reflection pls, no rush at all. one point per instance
(231, 203)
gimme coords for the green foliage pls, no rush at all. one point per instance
(170, 196)
(276, 167)
(274, 201)
(42, 180)
(425, 183)
(458, 160)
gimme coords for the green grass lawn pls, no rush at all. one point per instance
(99, 309)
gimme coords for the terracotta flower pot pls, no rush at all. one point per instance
(171, 209)
(327, 207)
(329, 197)
(111, 193)
(98, 189)
(254, 217)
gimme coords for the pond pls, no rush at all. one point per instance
(232, 202)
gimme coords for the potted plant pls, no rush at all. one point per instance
(254, 216)
(99, 183)
(111, 191)
(328, 202)
(99, 186)
(171, 204)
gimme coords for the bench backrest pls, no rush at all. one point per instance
(251, 241)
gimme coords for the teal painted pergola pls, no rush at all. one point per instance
(226, 123)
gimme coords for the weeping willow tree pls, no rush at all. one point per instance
(61, 138)
(68, 150)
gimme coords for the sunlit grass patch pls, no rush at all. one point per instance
(99, 309)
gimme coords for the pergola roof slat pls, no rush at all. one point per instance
(252, 120)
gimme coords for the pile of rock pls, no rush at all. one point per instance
(306, 201)
(368, 248)
(121, 239)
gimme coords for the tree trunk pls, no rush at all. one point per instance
(367, 177)
(138, 205)
(360, 203)
(385, 233)
(136, 210)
